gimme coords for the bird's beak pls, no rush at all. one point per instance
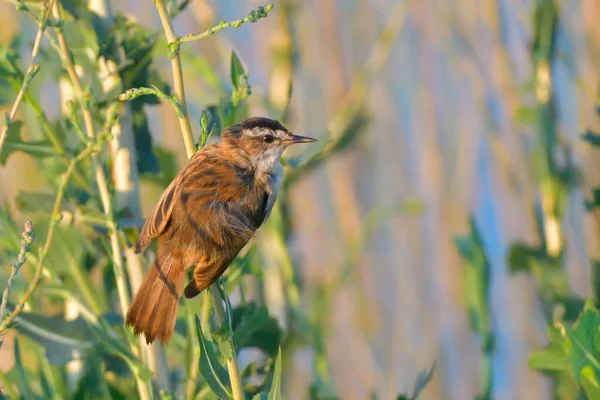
(299, 139)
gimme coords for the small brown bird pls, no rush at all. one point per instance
(206, 216)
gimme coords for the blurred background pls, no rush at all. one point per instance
(462, 121)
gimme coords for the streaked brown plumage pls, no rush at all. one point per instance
(206, 216)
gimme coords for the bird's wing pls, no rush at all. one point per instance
(160, 215)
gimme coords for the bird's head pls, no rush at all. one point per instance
(262, 140)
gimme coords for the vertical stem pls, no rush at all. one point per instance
(234, 375)
(178, 84)
(102, 183)
(232, 367)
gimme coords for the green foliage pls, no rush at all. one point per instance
(275, 391)
(212, 371)
(14, 142)
(477, 289)
(253, 327)
(574, 348)
(76, 257)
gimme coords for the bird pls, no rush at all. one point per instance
(204, 218)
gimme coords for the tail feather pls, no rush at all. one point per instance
(154, 308)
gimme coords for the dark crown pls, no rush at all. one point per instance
(262, 122)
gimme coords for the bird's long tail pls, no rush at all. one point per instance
(154, 308)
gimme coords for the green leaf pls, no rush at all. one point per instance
(215, 375)
(221, 336)
(585, 339)
(253, 327)
(201, 66)
(476, 278)
(35, 201)
(551, 359)
(595, 202)
(589, 382)
(527, 115)
(14, 142)
(167, 167)
(24, 382)
(591, 138)
(63, 340)
(237, 70)
(275, 391)
(520, 256)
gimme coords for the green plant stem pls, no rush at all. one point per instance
(234, 374)
(102, 183)
(232, 367)
(26, 239)
(99, 172)
(31, 71)
(261, 12)
(178, 84)
(7, 386)
(193, 370)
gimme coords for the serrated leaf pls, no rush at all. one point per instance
(275, 391)
(14, 142)
(585, 339)
(211, 370)
(236, 69)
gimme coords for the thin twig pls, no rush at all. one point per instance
(26, 240)
(31, 71)
(253, 16)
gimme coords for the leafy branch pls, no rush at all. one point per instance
(32, 70)
(26, 239)
(55, 217)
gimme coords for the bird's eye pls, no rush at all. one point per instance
(268, 138)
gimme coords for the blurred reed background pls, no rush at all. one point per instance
(453, 120)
